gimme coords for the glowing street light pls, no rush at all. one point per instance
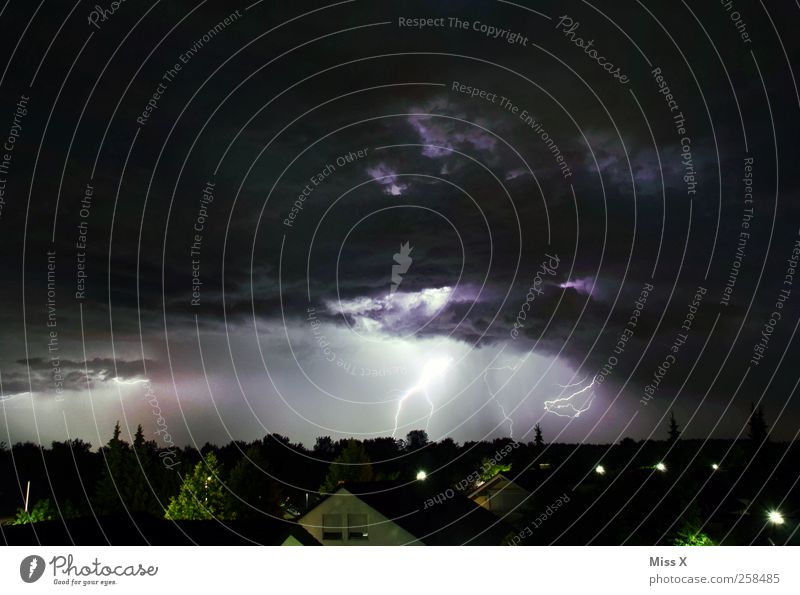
(775, 517)
(714, 466)
(421, 476)
(600, 470)
(661, 467)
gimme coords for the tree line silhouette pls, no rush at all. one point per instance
(274, 476)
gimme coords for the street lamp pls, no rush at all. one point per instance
(775, 517)
(421, 476)
(714, 466)
(661, 467)
(600, 470)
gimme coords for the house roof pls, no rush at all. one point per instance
(494, 481)
(452, 519)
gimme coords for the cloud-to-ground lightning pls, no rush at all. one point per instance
(435, 368)
(565, 406)
(493, 394)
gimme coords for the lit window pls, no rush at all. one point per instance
(332, 527)
(357, 526)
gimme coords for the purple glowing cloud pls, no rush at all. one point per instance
(387, 177)
(449, 134)
(585, 285)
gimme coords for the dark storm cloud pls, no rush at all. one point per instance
(608, 221)
(37, 374)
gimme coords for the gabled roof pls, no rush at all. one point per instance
(452, 519)
(493, 482)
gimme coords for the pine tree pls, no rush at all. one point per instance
(757, 427)
(143, 476)
(111, 485)
(202, 495)
(674, 429)
(538, 441)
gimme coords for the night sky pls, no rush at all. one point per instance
(202, 205)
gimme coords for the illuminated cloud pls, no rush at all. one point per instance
(446, 133)
(387, 177)
(37, 374)
(584, 285)
(395, 312)
(516, 173)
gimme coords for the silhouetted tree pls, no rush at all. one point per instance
(382, 448)
(202, 495)
(143, 476)
(416, 439)
(324, 447)
(352, 465)
(253, 491)
(110, 486)
(538, 441)
(757, 427)
(674, 429)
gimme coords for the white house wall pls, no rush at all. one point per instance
(382, 531)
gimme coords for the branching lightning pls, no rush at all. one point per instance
(574, 383)
(432, 370)
(565, 406)
(496, 400)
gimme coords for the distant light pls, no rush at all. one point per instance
(600, 470)
(661, 467)
(775, 517)
(714, 466)
(422, 476)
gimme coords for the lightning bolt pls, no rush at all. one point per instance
(133, 381)
(4, 398)
(494, 395)
(402, 399)
(433, 369)
(556, 406)
(574, 383)
(34, 564)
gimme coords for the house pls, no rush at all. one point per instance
(505, 498)
(397, 513)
